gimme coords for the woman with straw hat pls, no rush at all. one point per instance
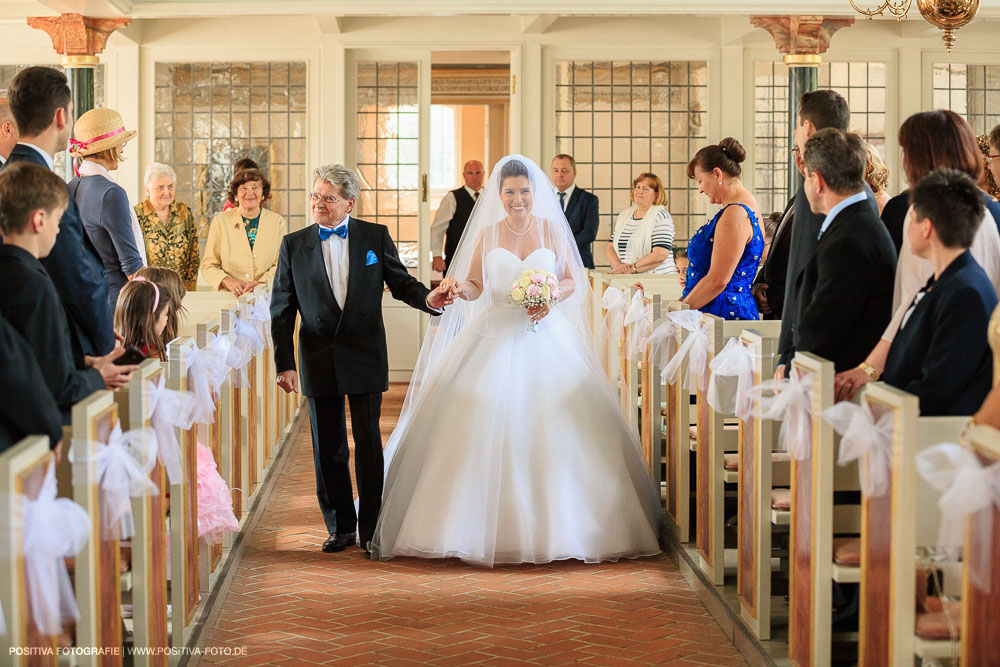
(104, 208)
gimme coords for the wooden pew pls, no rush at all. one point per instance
(216, 436)
(22, 471)
(268, 385)
(184, 563)
(255, 418)
(149, 555)
(981, 609)
(678, 453)
(651, 397)
(234, 465)
(892, 528)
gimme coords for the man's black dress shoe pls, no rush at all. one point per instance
(338, 542)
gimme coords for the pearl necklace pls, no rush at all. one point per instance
(519, 233)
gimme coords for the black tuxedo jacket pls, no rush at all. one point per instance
(942, 353)
(27, 407)
(804, 231)
(78, 274)
(340, 351)
(845, 290)
(775, 268)
(584, 219)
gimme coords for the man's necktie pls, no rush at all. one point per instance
(562, 200)
(325, 232)
(475, 196)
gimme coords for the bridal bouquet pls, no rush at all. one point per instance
(534, 288)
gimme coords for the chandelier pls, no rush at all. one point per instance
(948, 15)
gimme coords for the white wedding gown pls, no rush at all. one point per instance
(515, 450)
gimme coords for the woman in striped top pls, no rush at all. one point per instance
(643, 235)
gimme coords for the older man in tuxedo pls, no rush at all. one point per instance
(579, 206)
(333, 274)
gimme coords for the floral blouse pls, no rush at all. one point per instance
(173, 245)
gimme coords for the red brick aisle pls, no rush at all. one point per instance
(291, 604)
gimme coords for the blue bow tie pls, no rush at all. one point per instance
(325, 233)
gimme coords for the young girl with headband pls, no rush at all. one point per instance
(141, 316)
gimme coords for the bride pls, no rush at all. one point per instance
(511, 447)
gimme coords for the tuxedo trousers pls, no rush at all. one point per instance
(331, 456)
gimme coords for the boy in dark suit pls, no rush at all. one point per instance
(941, 352)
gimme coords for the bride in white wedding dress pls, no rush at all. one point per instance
(511, 447)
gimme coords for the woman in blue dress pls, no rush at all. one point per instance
(725, 253)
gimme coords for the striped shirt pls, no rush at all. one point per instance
(663, 237)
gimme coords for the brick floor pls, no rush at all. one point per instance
(291, 604)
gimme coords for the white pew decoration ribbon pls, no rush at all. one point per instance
(260, 315)
(639, 314)
(53, 529)
(969, 489)
(207, 371)
(614, 301)
(865, 439)
(694, 350)
(662, 341)
(123, 466)
(247, 344)
(170, 410)
(790, 402)
(724, 395)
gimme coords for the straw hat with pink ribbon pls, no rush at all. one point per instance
(98, 130)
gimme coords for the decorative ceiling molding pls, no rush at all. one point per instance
(481, 84)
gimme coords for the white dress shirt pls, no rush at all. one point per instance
(3, 160)
(569, 193)
(844, 203)
(336, 259)
(445, 212)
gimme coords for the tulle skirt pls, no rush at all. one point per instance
(215, 501)
(516, 451)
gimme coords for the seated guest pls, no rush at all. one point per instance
(32, 200)
(104, 208)
(242, 248)
(724, 253)
(941, 353)
(877, 176)
(844, 292)
(172, 289)
(41, 103)
(141, 316)
(168, 225)
(644, 232)
(238, 166)
(682, 262)
(28, 407)
(580, 206)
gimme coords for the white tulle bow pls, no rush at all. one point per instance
(790, 402)
(614, 301)
(662, 341)
(54, 529)
(970, 489)
(860, 435)
(207, 371)
(260, 315)
(246, 344)
(736, 360)
(123, 466)
(170, 410)
(639, 315)
(694, 349)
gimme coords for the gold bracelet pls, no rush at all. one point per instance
(869, 370)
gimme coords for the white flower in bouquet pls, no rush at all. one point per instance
(533, 289)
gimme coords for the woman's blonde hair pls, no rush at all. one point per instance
(172, 288)
(661, 195)
(114, 153)
(139, 307)
(876, 173)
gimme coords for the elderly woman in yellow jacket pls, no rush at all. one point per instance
(243, 242)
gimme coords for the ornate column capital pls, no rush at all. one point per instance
(77, 38)
(803, 39)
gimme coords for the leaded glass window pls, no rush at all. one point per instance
(972, 91)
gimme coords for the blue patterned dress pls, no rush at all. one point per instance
(735, 302)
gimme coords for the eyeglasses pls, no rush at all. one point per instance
(795, 151)
(329, 200)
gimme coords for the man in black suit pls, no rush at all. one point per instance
(579, 206)
(843, 295)
(769, 284)
(332, 274)
(818, 110)
(41, 103)
(941, 352)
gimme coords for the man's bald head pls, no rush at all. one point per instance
(473, 174)
(8, 129)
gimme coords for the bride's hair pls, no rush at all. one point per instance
(513, 168)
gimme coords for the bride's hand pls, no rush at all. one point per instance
(453, 287)
(538, 312)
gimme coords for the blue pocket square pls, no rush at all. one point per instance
(371, 259)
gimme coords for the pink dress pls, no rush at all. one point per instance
(215, 501)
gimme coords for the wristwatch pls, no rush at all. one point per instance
(869, 370)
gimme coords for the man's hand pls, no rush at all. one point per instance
(438, 264)
(847, 383)
(235, 286)
(115, 377)
(442, 295)
(760, 295)
(289, 381)
(779, 372)
(57, 452)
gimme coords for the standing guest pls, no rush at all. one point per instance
(643, 236)
(726, 252)
(238, 166)
(141, 316)
(894, 215)
(818, 110)
(682, 262)
(172, 290)
(843, 295)
(8, 131)
(168, 225)
(987, 182)
(103, 204)
(32, 201)
(941, 353)
(877, 177)
(452, 215)
(28, 407)
(242, 247)
(769, 284)
(771, 223)
(580, 206)
(42, 106)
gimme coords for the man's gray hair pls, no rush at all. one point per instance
(339, 177)
(156, 170)
(840, 157)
